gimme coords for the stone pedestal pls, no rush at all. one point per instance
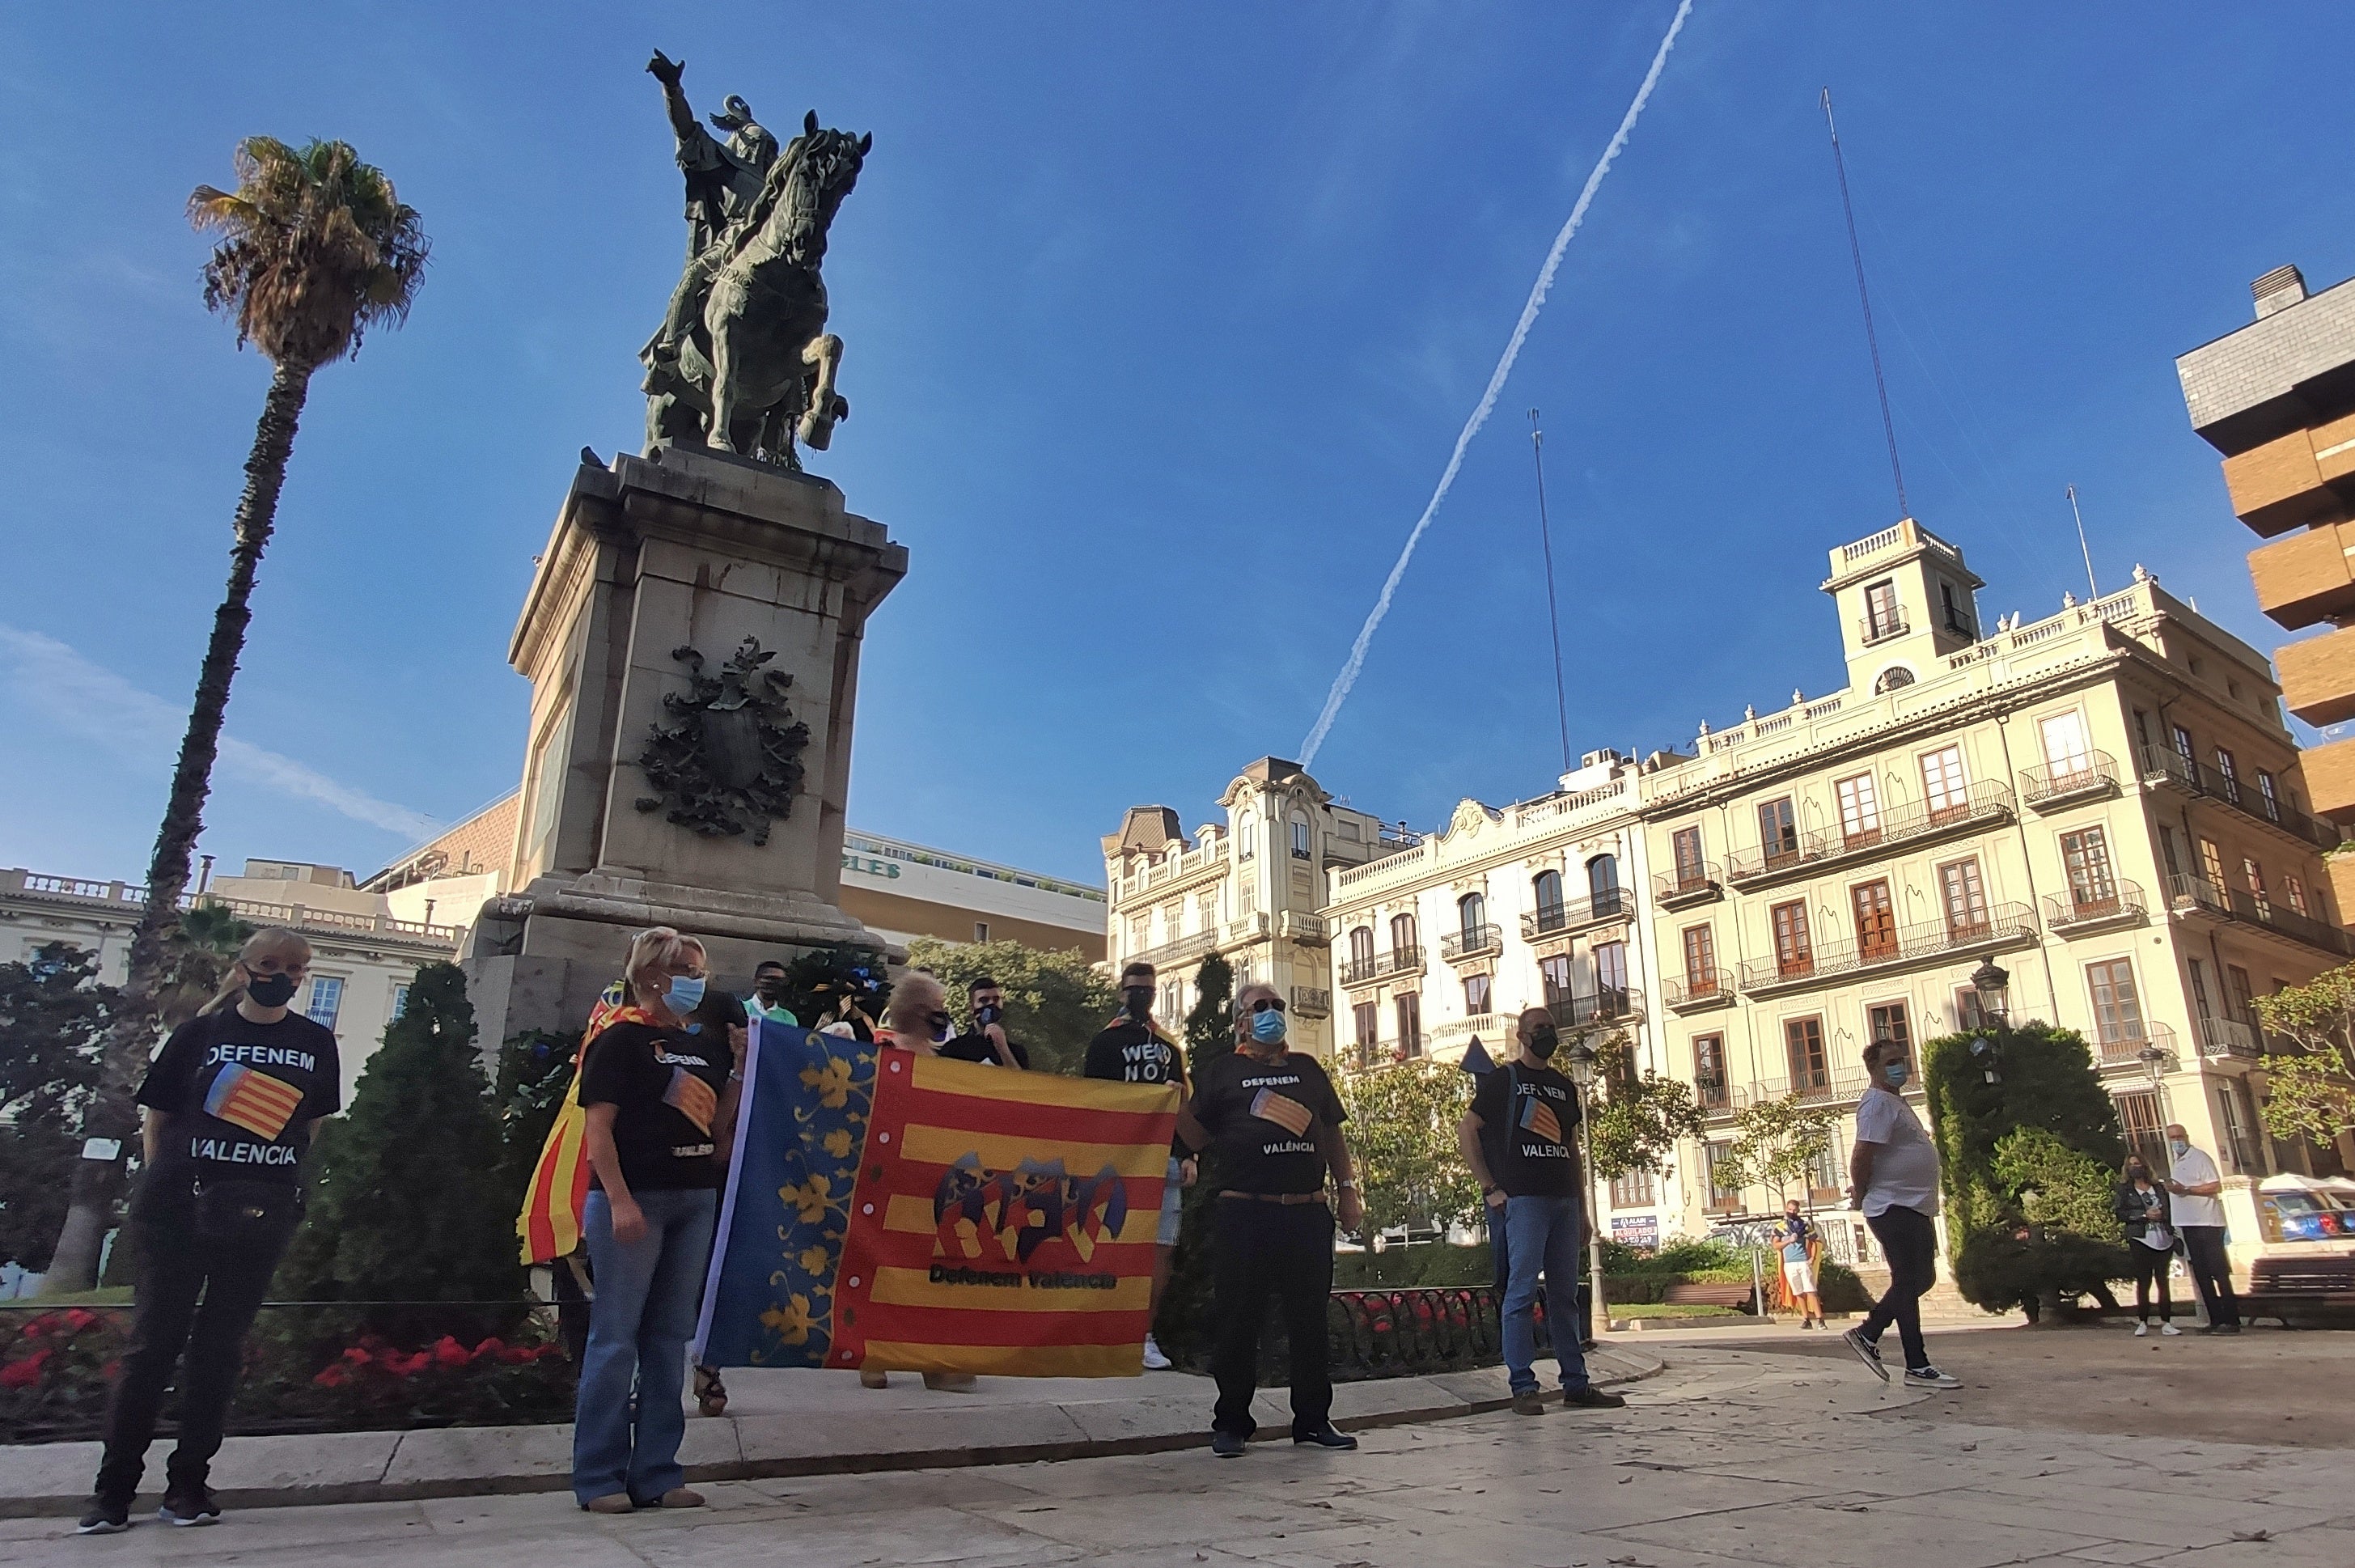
(676, 551)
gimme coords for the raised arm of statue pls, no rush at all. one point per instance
(667, 71)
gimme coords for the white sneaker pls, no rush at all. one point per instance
(2170, 1330)
(1928, 1376)
(1154, 1362)
(2141, 1329)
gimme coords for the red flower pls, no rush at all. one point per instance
(490, 1346)
(112, 1370)
(358, 1356)
(78, 1319)
(332, 1375)
(447, 1352)
(24, 1373)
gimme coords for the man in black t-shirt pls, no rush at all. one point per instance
(1520, 1140)
(987, 1043)
(1272, 1125)
(1132, 1049)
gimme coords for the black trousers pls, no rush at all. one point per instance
(1284, 1250)
(2212, 1272)
(2150, 1264)
(173, 1269)
(1910, 1242)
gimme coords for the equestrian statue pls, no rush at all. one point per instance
(742, 362)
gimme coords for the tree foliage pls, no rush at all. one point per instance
(1777, 1142)
(2044, 1079)
(407, 1202)
(1055, 1002)
(819, 981)
(53, 1020)
(1402, 1130)
(1183, 1324)
(1641, 1117)
(534, 1073)
(2311, 1096)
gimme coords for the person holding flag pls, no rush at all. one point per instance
(1133, 1048)
(1518, 1139)
(658, 1102)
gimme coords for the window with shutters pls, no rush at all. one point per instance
(2211, 866)
(1637, 1190)
(1685, 847)
(1554, 971)
(2145, 1126)
(1603, 883)
(2239, 995)
(2268, 798)
(1943, 786)
(1802, 1042)
(1476, 995)
(2228, 776)
(1964, 898)
(2092, 889)
(2185, 750)
(1362, 948)
(2199, 989)
(1709, 1083)
(1700, 961)
(1778, 833)
(1546, 888)
(1875, 920)
(1366, 1016)
(2253, 877)
(1794, 958)
(1410, 1024)
(2068, 754)
(2117, 1010)
(1882, 615)
(1611, 975)
(1402, 938)
(1859, 810)
(2294, 890)
(1887, 1020)
(1724, 1189)
(1472, 920)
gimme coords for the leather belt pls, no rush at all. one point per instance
(1283, 1197)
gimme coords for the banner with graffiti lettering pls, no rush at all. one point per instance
(890, 1209)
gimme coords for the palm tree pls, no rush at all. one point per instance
(315, 249)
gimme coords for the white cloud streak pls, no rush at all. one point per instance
(1347, 679)
(92, 702)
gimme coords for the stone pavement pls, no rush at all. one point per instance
(1732, 1456)
(778, 1423)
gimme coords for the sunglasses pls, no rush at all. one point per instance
(1267, 1005)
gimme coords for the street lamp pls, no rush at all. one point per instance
(1581, 1055)
(1989, 981)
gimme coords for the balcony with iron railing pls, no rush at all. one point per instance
(2083, 909)
(1597, 1010)
(2228, 1039)
(2196, 895)
(1610, 905)
(1375, 967)
(1689, 993)
(2051, 786)
(1942, 941)
(1981, 806)
(1472, 942)
(1877, 629)
(1695, 884)
(1717, 1099)
(2161, 764)
(1825, 1086)
(2132, 1045)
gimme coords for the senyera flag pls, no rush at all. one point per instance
(891, 1209)
(549, 1225)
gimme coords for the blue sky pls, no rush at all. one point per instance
(1160, 326)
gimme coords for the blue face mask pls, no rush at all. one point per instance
(1898, 1072)
(1267, 1028)
(686, 993)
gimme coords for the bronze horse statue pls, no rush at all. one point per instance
(756, 369)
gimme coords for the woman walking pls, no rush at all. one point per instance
(659, 1105)
(231, 1104)
(2141, 1205)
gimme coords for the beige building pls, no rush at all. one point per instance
(363, 956)
(1249, 888)
(2103, 805)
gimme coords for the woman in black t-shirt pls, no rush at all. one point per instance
(231, 1103)
(659, 1090)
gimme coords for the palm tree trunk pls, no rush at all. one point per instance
(111, 1114)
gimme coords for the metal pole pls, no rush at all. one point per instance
(1599, 1309)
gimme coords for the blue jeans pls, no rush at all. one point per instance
(647, 1294)
(1542, 1236)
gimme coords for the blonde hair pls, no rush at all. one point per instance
(270, 939)
(661, 948)
(914, 1000)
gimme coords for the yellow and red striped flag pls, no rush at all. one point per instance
(1538, 1117)
(259, 1103)
(550, 1222)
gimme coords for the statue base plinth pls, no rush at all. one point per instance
(651, 558)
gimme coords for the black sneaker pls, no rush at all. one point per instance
(1591, 1398)
(2224, 1328)
(1327, 1438)
(1227, 1444)
(185, 1509)
(104, 1518)
(1866, 1351)
(1928, 1376)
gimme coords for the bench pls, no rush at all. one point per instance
(1729, 1293)
(2302, 1276)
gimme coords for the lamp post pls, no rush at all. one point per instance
(1990, 982)
(1582, 1076)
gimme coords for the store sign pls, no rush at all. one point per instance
(870, 865)
(1637, 1230)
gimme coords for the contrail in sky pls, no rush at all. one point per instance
(1348, 676)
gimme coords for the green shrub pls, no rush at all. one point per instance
(2002, 1266)
(1431, 1263)
(1839, 1290)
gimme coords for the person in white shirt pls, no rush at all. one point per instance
(1893, 1179)
(2193, 1182)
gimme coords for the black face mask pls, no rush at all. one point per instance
(1542, 1041)
(271, 990)
(1138, 1000)
(769, 987)
(987, 1014)
(2137, 1173)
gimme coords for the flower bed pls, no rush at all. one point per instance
(310, 1366)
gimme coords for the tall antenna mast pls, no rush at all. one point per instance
(2090, 592)
(1864, 297)
(1553, 613)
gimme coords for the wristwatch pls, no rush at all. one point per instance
(1350, 1185)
